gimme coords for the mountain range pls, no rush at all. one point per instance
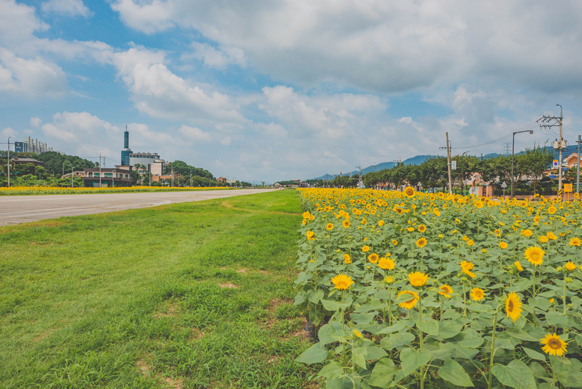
(417, 160)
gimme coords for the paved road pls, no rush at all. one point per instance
(21, 209)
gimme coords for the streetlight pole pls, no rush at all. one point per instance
(9, 160)
(561, 139)
(578, 166)
(512, 158)
(72, 171)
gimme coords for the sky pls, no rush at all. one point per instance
(275, 90)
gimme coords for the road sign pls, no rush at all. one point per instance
(504, 185)
(553, 176)
(454, 165)
(568, 188)
(555, 164)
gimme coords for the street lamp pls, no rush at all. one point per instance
(9, 160)
(72, 167)
(512, 157)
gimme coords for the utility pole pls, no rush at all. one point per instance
(190, 177)
(578, 166)
(100, 170)
(9, 161)
(555, 121)
(449, 164)
(72, 168)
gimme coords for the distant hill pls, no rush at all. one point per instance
(417, 160)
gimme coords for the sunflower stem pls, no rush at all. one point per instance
(421, 339)
(492, 349)
(344, 361)
(565, 305)
(465, 304)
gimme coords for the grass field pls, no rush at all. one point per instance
(190, 295)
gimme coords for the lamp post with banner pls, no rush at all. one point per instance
(504, 186)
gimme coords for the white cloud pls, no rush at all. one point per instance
(160, 93)
(9, 131)
(30, 77)
(215, 58)
(35, 122)
(382, 45)
(66, 7)
(194, 133)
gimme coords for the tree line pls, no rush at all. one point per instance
(529, 168)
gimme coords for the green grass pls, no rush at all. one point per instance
(145, 298)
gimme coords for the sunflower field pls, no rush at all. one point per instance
(43, 190)
(413, 290)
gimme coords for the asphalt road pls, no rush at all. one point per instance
(22, 209)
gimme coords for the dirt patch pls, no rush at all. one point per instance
(223, 268)
(264, 272)
(22, 226)
(227, 205)
(175, 383)
(242, 271)
(273, 304)
(43, 335)
(228, 285)
(144, 369)
(171, 311)
(302, 333)
(197, 334)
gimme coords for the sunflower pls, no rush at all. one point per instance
(497, 233)
(398, 210)
(513, 306)
(470, 242)
(527, 233)
(417, 279)
(484, 250)
(408, 304)
(518, 266)
(346, 223)
(342, 282)
(394, 242)
(553, 345)
(446, 291)
(365, 249)
(503, 245)
(477, 294)
(310, 235)
(421, 242)
(422, 228)
(347, 259)
(570, 266)
(388, 280)
(306, 215)
(575, 242)
(467, 267)
(386, 263)
(329, 226)
(552, 210)
(410, 229)
(551, 236)
(381, 223)
(409, 191)
(373, 257)
(543, 239)
(437, 213)
(535, 255)
(357, 334)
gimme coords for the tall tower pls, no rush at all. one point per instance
(126, 150)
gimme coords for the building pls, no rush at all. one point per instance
(151, 161)
(31, 146)
(23, 161)
(221, 180)
(119, 176)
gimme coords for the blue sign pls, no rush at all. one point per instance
(553, 176)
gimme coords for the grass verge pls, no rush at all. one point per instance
(190, 295)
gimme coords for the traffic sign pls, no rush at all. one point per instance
(553, 176)
(568, 188)
(453, 165)
(555, 164)
(565, 169)
(504, 185)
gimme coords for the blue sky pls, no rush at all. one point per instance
(269, 90)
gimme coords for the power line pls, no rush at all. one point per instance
(530, 125)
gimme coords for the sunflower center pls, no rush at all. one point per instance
(342, 285)
(555, 344)
(535, 256)
(510, 306)
(410, 301)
